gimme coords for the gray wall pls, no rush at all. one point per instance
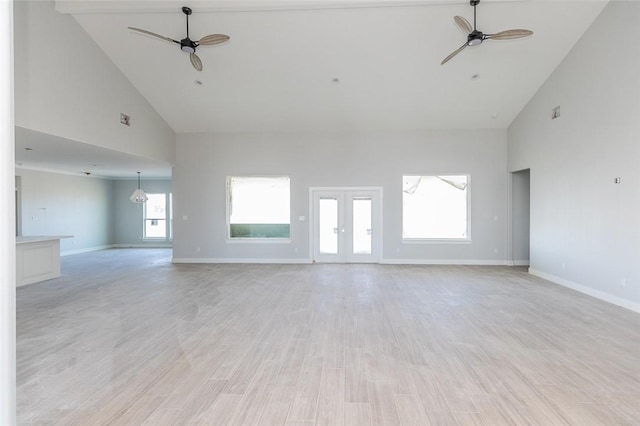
(584, 227)
(97, 212)
(57, 204)
(204, 160)
(66, 86)
(520, 226)
(128, 215)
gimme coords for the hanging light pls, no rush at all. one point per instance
(138, 195)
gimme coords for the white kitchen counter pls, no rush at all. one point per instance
(37, 258)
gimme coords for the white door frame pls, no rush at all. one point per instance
(376, 217)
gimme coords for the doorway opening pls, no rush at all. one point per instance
(520, 217)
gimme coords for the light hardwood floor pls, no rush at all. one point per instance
(125, 337)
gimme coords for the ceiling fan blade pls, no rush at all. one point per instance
(212, 39)
(195, 61)
(153, 34)
(463, 24)
(509, 34)
(448, 58)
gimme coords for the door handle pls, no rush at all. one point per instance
(335, 230)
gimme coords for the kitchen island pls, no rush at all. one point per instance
(37, 258)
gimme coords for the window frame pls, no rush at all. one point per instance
(423, 240)
(253, 240)
(168, 202)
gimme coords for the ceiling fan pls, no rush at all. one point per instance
(188, 45)
(476, 37)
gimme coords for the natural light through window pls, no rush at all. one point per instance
(362, 226)
(155, 216)
(435, 207)
(259, 207)
(328, 225)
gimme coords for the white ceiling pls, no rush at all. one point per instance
(276, 72)
(41, 151)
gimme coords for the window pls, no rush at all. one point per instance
(155, 216)
(258, 207)
(171, 216)
(435, 207)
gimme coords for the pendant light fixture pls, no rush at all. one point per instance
(138, 195)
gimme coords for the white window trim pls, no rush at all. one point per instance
(466, 240)
(257, 240)
(166, 219)
(228, 239)
(436, 241)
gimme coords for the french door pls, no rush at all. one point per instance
(346, 224)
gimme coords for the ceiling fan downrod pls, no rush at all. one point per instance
(474, 3)
(186, 44)
(187, 11)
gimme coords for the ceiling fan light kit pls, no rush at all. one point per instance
(186, 44)
(476, 37)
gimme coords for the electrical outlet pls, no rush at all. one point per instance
(623, 282)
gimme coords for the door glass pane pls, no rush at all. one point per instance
(328, 225)
(362, 226)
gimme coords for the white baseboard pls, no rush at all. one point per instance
(224, 260)
(469, 262)
(149, 245)
(112, 246)
(85, 250)
(632, 306)
(520, 263)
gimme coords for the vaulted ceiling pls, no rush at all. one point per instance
(310, 65)
(317, 66)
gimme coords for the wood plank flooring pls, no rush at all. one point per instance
(124, 337)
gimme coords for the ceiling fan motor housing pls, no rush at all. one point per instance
(188, 45)
(475, 38)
